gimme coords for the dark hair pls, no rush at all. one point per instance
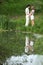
(28, 5)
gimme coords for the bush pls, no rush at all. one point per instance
(4, 22)
(14, 7)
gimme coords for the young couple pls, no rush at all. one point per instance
(29, 11)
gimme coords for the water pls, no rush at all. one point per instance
(25, 60)
(38, 35)
(13, 48)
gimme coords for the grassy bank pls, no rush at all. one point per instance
(17, 23)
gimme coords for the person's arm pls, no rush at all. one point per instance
(32, 12)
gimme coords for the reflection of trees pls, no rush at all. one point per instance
(2, 1)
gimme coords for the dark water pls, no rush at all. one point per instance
(13, 44)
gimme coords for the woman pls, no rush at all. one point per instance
(32, 15)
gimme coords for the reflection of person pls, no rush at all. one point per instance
(31, 45)
(27, 15)
(32, 15)
(28, 45)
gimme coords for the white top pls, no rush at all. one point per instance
(32, 12)
(27, 11)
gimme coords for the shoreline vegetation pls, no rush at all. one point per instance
(18, 24)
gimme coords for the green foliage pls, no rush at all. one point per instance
(38, 46)
(14, 7)
(12, 25)
(18, 23)
(4, 22)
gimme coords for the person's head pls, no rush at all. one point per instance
(32, 7)
(28, 6)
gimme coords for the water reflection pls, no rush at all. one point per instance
(25, 60)
(13, 43)
(38, 35)
(28, 45)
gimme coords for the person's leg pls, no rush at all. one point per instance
(27, 21)
(32, 22)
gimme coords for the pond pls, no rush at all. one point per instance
(13, 47)
(25, 60)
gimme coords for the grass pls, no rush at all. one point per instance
(18, 23)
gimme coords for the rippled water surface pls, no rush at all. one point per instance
(25, 60)
(13, 47)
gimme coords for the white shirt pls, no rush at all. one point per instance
(27, 11)
(32, 12)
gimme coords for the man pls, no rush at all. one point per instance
(27, 15)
